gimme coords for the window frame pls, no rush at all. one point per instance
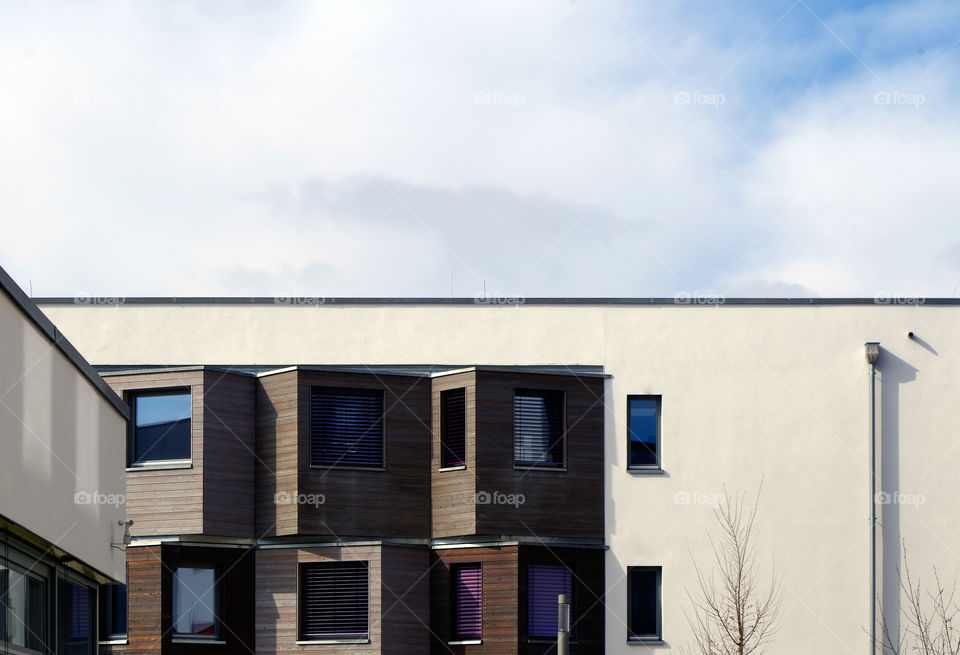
(443, 425)
(658, 466)
(633, 638)
(454, 638)
(301, 597)
(562, 467)
(383, 428)
(189, 637)
(105, 608)
(131, 396)
(69, 577)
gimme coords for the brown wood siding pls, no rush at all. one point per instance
(276, 449)
(371, 503)
(453, 493)
(228, 454)
(164, 502)
(587, 614)
(566, 503)
(276, 599)
(235, 572)
(144, 603)
(500, 588)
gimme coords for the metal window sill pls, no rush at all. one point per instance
(307, 642)
(641, 470)
(318, 467)
(208, 642)
(118, 641)
(652, 641)
(166, 465)
(461, 467)
(465, 642)
(546, 469)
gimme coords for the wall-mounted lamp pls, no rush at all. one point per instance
(126, 534)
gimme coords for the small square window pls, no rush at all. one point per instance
(643, 432)
(334, 601)
(538, 428)
(161, 426)
(195, 603)
(453, 428)
(467, 602)
(643, 603)
(346, 428)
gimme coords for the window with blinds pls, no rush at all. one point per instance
(545, 582)
(346, 427)
(334, 601)
(467, 603)
(538, 428)
(453, 427)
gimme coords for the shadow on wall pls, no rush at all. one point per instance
(894, 372)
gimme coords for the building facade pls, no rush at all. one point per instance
(62, 432)
(695, 399)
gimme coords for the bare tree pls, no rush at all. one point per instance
(929, 617)
(734, 612)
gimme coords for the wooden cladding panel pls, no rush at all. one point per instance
(405, 604)
(371, 503)
(144, 630)
(228, 454)
(162, 502)
(276, 599)
(453, 492)
(500, 589)
(576, 491)
(276, 448)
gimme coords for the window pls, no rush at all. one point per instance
(643, 603)
(467, 602)
(538, 428)
(453, 428)
(161, 426)
(545, 582)
(75, 611)
(334, 601)
(22, 609)
(346, 428)
(195, 603)
(113, 612)
(643, 428)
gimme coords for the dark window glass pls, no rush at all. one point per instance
(113, 611)
(346, 427)
(643, 425)
(643, 589)
(453, 427)
(467, 592)
(545, 582)
(538, 428)
(75, 610)
(22, 609)
(334, 601)
(195, 602)
(161, 426)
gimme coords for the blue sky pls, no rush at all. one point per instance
(570, 148)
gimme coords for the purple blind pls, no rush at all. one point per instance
(346, 427)
(538, 428)
(467, 601)
(546, 582)
(79, 612)
(453, 427)
(334, 600)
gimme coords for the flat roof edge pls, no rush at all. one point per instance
(504, 301)
(29, 308)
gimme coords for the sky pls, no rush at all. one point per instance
(540, 148)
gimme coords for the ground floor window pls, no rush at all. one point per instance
(545, 582)
(643, 603)
(195, 603)
(334, 601)
(23, 602)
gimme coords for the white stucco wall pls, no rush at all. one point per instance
(750, 393)
(60, 437)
